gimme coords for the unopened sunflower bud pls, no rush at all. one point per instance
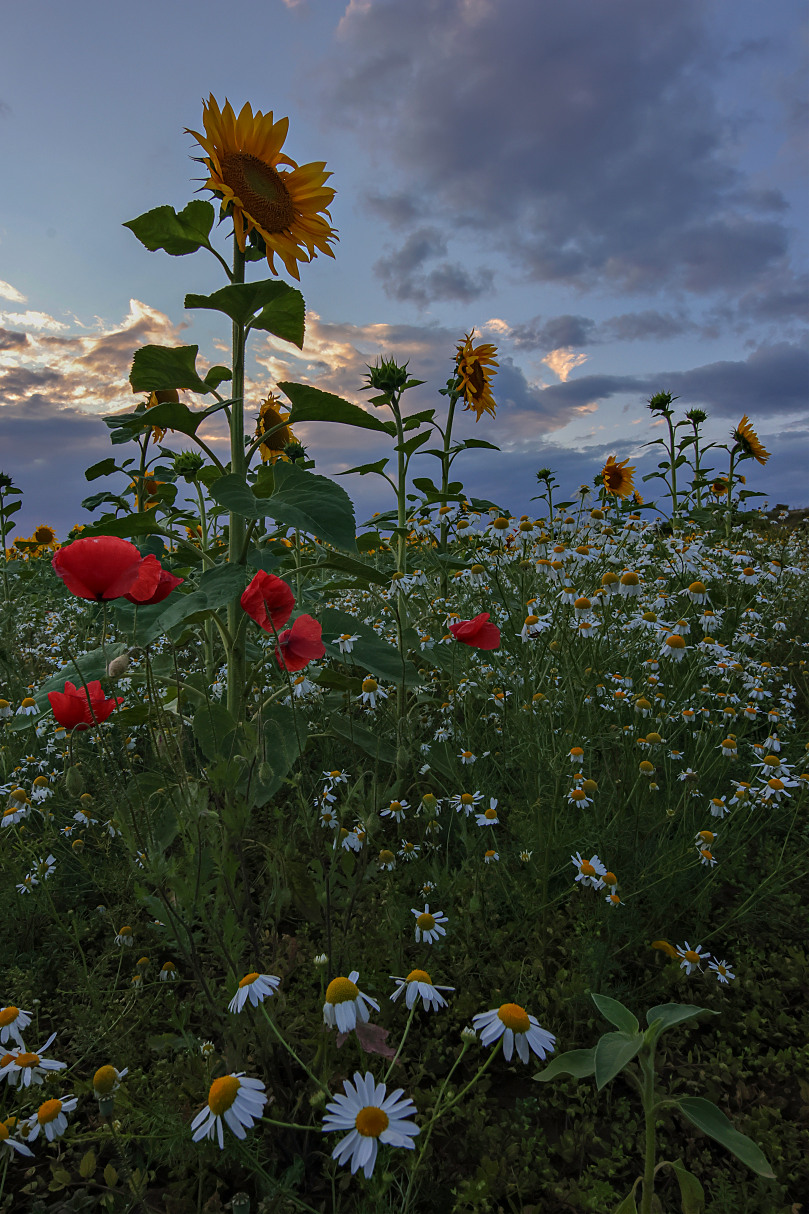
(74, 781)
(118, 666)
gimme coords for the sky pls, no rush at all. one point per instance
(613, 194)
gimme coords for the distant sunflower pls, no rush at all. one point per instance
(45, 536)
(272, 414)
(748, 440)
(473, 367)
(618, 478)
(288, 210)
(161, 397)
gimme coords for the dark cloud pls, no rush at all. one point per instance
(395, 209)
(584, 139)
(404, 278)
(10, 340)
(641, 326)
(20, 382)
(559, 331)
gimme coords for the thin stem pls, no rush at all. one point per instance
(236, 523)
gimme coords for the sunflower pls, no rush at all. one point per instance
(45, 536)
(161, 397)
(273, 414)
(473, 368)
(748, 440)
(618, 478)
(288, 210)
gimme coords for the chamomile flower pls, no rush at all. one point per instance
(9, 1145)
(234, 1099)
(345, 642)
(419, 985)
(125, 937)
(12, 1021)
(346, 1004)
(396, 811)
(370, 1118)
(466, 801)
(516, 1027)
(489, 816)
(386, 860)
(255, 987)
(491, 856)
(690, 958)
(723, 972)
(371, 691)
(429, 926)
(589, 872)
(26, 1066)
(50, 1118)
(168, 972)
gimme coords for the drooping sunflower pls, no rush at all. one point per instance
(273, 414)
(288, 210)
(473, 368)
(748, 440)
(618, 478)
(161, 397)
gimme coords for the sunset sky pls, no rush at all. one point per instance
(613, 192)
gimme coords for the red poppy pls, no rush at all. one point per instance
(269, 601)
(164, 588)
(73, 709)
(300, 644)
(106, 567)
(480, 633)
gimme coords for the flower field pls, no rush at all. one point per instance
(450, 861)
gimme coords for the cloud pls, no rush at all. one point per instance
(563, 361)
(9, 292)
(9, 340)
(34, 320)
(403, 278)
(585, 141)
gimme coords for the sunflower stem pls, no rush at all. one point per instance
(236, 524)
(445, 466)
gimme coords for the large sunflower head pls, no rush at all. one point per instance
(289, 209)
(273, 418)
(618, 478)
(749, 442)
(473, 367)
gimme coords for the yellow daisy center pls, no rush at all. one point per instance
(222, 1094)
(771, 760)
(675, 642)
(578, 794)
(104, 1080)
(369, 685)
(371, 1121)
(27, 1059)
(514, 1017)
(775, 785)
(467, 798)
(8, 1015)
(418, 976)
(691, 956)
(249, 979)
(386, 857)
(490, 813)
(260, 189)
(3, 1132)
(49, 1111)
(341, 990)
(500, 524)
(426, 921)
(587, 868)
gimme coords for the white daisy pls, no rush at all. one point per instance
(255, 987)
(723, 972)
(589, 872)
(26, 1067)
(50, 1118)
(371, 1119)
(9, 1145)
(429, 926)
(516, 1027)
(239, 1101)
(691, 957)
(419, 984)
(489, 816)
(12, 1020)
(346, 1003)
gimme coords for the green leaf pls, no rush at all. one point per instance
(285, 318)
(243, 300)
(578, 1063)
(478, 442)
(217, 587)
(371, 743)
(216, 376)
(143, 523)
(412, 444)
(711, 1120)
(284, 743)
(364, 469)
(177, 234)
(628, 1205)
(104, 467)
(692, 1196)
(370, 652)
(616, 1013)
(315, 504)
(365, 572)
(158, 367)
(675, 1013)
(214, 729)
(312, 405)
(87, 1164)
(612, 1053)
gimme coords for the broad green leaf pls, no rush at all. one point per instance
(612, 1053)
(172, 415)
(711, 1120)
(578, 1063)
(87, 1164)
(412, 444)
(284, 317)
(104, 467)
(158, 367)
(478, 442)
(217, 587)
(362, 570)
(143, 523)
(675, 1013)
(692, 1196)
(364, 469)
(177, 234)
(242, 300)
(315, 504)
(616, 1013)
(284, 739)
(370, 652)
(628, 1205)
(349, 731)
(216, 376)
(312, 405)
(90, 666)
(214, 729)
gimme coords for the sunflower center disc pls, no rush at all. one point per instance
(260, 189)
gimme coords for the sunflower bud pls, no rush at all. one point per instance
(386, 376)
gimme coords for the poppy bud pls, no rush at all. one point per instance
(74, 781)
(118, 666)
